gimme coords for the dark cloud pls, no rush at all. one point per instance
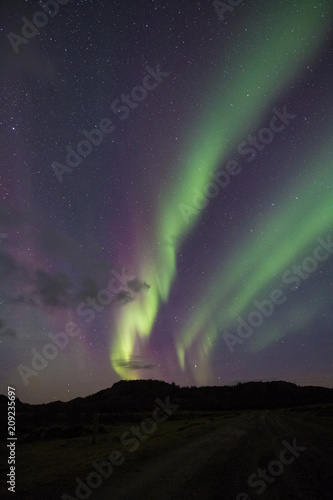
(88, 288)
(124, 296)
(54, 291)
(6, 331)
(135, 363)
(137, 286)
(57, 290)
(25, 299)
(40, 288)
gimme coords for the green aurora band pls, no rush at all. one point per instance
(299, 316)
(253, 87)
(257, 268)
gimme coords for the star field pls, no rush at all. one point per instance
(166, 197)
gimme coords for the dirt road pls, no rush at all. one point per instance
(264, 455)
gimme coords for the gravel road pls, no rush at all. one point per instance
(264, 455)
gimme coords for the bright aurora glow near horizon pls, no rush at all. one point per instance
(191, 240)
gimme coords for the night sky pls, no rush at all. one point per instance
(166, 194)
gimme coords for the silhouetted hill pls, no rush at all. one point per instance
(139, 395)
(126, 398)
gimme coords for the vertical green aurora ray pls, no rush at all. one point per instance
(294, 319)
(263, 260)
(252, 88)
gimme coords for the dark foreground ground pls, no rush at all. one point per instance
(215, 456)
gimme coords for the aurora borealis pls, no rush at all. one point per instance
(212, 183)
